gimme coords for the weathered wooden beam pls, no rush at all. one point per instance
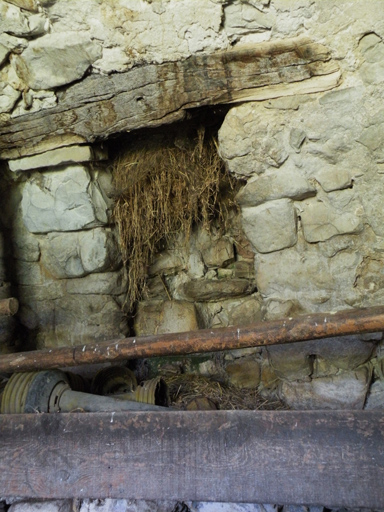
(156, 94)
(334, 458)
(287, 330)
(9, 307)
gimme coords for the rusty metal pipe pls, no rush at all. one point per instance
(287, 330)
(71, 401)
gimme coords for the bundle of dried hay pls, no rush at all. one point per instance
(184, 388)
(163, 190)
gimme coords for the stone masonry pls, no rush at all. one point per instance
(309, 232)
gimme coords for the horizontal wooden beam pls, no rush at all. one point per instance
(287, 330)
(334, 459)
(156, 94)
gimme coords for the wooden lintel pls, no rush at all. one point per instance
(156, 94)
(329, 458)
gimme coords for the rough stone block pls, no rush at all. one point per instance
(271, 226)
(243, 18)
(77, 254)
(66, 200)
(42, 506)
(244, 373)
(59, 156)
(296, 360)
(37, 65)
(375, 398)
(345, 391)
(333, 178)
(166, 263)
(321, 221)
(159, 317)
(285, 183)
(8, 97)
(78, 319)
(219, 253)
(309, 279)
(251, 140)
(28, 5)
(216, 289)
(107, 283)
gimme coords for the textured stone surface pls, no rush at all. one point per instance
(42, 506)
(21, 23)
(67, 255)
(296, 360)
(8, 97)
(244, 373)
(60, 156)
(66, 200)
(289, 183)
(38, 65)
(375, 398)
(322, 221)
(216, 289)
(345, 391)
(162, 317)
(270, 226)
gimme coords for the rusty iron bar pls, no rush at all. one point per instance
(9, 307)
(287, 330)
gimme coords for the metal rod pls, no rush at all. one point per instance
(71, 401)
(287, 330)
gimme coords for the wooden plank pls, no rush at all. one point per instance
(286, 330)
(156, 94)
(330, 458)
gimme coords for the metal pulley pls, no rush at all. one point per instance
(120, 382)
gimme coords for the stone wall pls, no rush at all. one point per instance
(308, 235)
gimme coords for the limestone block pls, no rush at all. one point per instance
(38, 65)
(37, 100)
(271, 226)
(321, 221)
(4, 52)
(28, 5)
(66, 200)
(8, 97)
(106, 283)
(216, 289)
(164, 317)
(311, 280)
(244, 373)
(284, 183)
(373, 138)
(167, 262)
(297, 360)
(42, 506)
(67, 255)
(243, 18)
(345, 391)
(16, 22)
(59, 156)
(77, 319)
(375, 398)
(219, 253)
(25, 246)
(251, 140)
(241, 311)
(333, 178)
(372, 49)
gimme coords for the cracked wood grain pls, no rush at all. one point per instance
(155, 94)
